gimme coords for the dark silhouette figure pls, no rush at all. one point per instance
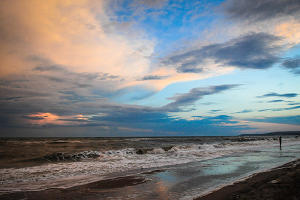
(280, 140)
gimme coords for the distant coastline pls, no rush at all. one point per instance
(274, 133)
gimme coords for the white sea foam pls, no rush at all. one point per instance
(64, 174)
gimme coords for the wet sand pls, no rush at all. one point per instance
(95, 190)
(281, 183)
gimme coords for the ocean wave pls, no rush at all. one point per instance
(102, 163)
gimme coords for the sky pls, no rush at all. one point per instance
(114, 68)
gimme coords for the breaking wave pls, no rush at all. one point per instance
(84, 165)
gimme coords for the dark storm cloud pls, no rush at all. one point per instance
(259, 10)
(273, 94)
(293, 64)
(254, 51)
(195, 94)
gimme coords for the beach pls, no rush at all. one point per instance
(149, 99)
(148, 168)
(279, 183)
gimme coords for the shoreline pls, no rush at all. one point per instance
(87, 191)
(217, 174)
(282, 182)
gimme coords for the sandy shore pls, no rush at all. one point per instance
(95, 190)
(281, 183)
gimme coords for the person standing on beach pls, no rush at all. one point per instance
(280, 141)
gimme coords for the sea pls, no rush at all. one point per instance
(139, 168)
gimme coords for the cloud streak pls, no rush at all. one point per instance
(251, 51)
(279, 109)
(293, 64)
(274, 94)
(244, 111)
(295, 120)
(194, 95)
(276, 101)
(153, 77)
(257, 10)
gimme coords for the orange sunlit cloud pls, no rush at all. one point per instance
(49, 118)
(289, 31)
(69, 33)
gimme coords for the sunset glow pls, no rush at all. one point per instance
(137, 68)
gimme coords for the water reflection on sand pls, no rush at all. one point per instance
(191, 180)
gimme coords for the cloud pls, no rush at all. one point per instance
(276, 17)
(245, 111)
(273, 94)
(257, 10)
(66, 64)
(263, 110)
(170, 75)
(295, 120)
(101, 117)
(64, 79)
(266, 127)
(292, 64)
(194, 95)
(215, 110)
(279, 109)
(49, 68)
(148, 4)
(161, 124)
(293, 104)
(36, 40)
(276, 101)
(292, 108)
(251, 51)
(80, 42)
(34, 108)
(153, 77)
(149, 125)
(289, 29)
